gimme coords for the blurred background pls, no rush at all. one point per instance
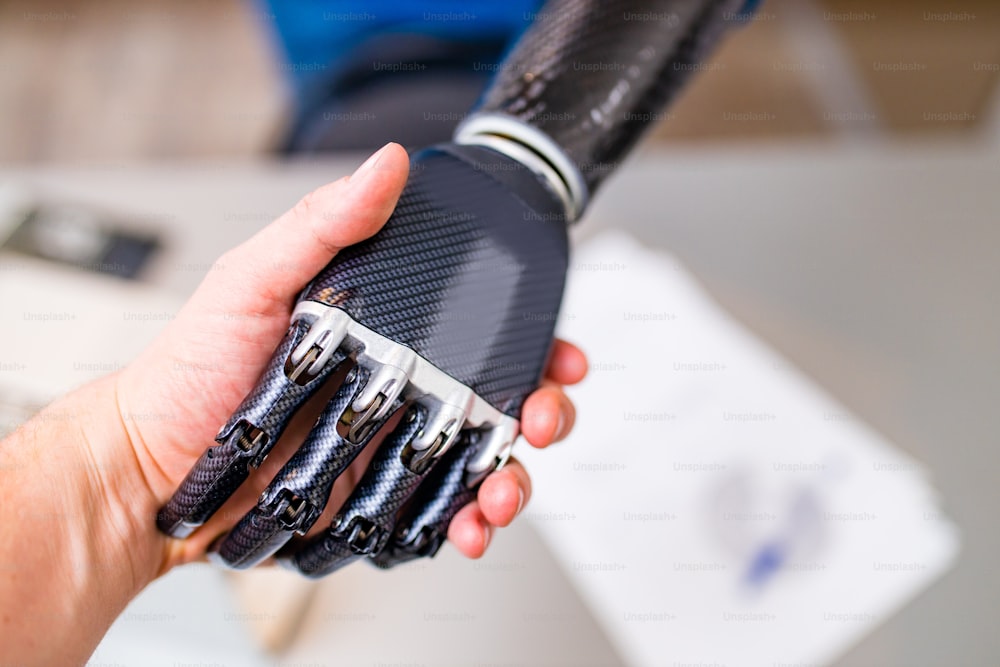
(820, 204)
(109, 80)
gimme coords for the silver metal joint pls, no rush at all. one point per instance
(396, 371)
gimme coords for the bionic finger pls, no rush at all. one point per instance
(450, 487)
(287, 382)
(429, 429)
(368, 516)
(300, 491)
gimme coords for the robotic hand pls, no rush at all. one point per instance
(447, 314)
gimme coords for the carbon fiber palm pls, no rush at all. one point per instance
(475, 296)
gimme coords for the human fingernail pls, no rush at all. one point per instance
(487, 537)
(560, 427)
(520, 500)
(369, 164)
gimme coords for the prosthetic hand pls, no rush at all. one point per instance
(446, 316)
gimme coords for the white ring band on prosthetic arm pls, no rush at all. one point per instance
(531, 147)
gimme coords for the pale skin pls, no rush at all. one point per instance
(83, 479)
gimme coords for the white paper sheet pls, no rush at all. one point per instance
(713, 506)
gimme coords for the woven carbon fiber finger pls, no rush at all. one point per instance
(300, 491)
(366, 520)
(245, 440)
(450, 487)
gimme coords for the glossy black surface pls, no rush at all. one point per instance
(423, 527)
(227, 464)
(386, 486)
(594, 74)
(297, 495)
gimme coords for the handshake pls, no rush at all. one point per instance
(437, 329)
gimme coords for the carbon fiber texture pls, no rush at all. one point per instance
(257, 536)
(388, 483)
(312, 470)
(214, 477)
(467, 272)
(594, 74)
(308, 476)
(224, 466)
(321, 557)
(275, 398)
(386, 486)
(423, 527)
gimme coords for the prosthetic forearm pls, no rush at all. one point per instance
(447, 314)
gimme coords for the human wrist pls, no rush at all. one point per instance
(77, 540)
(119, 528)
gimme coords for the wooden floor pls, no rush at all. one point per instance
(112, 79)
